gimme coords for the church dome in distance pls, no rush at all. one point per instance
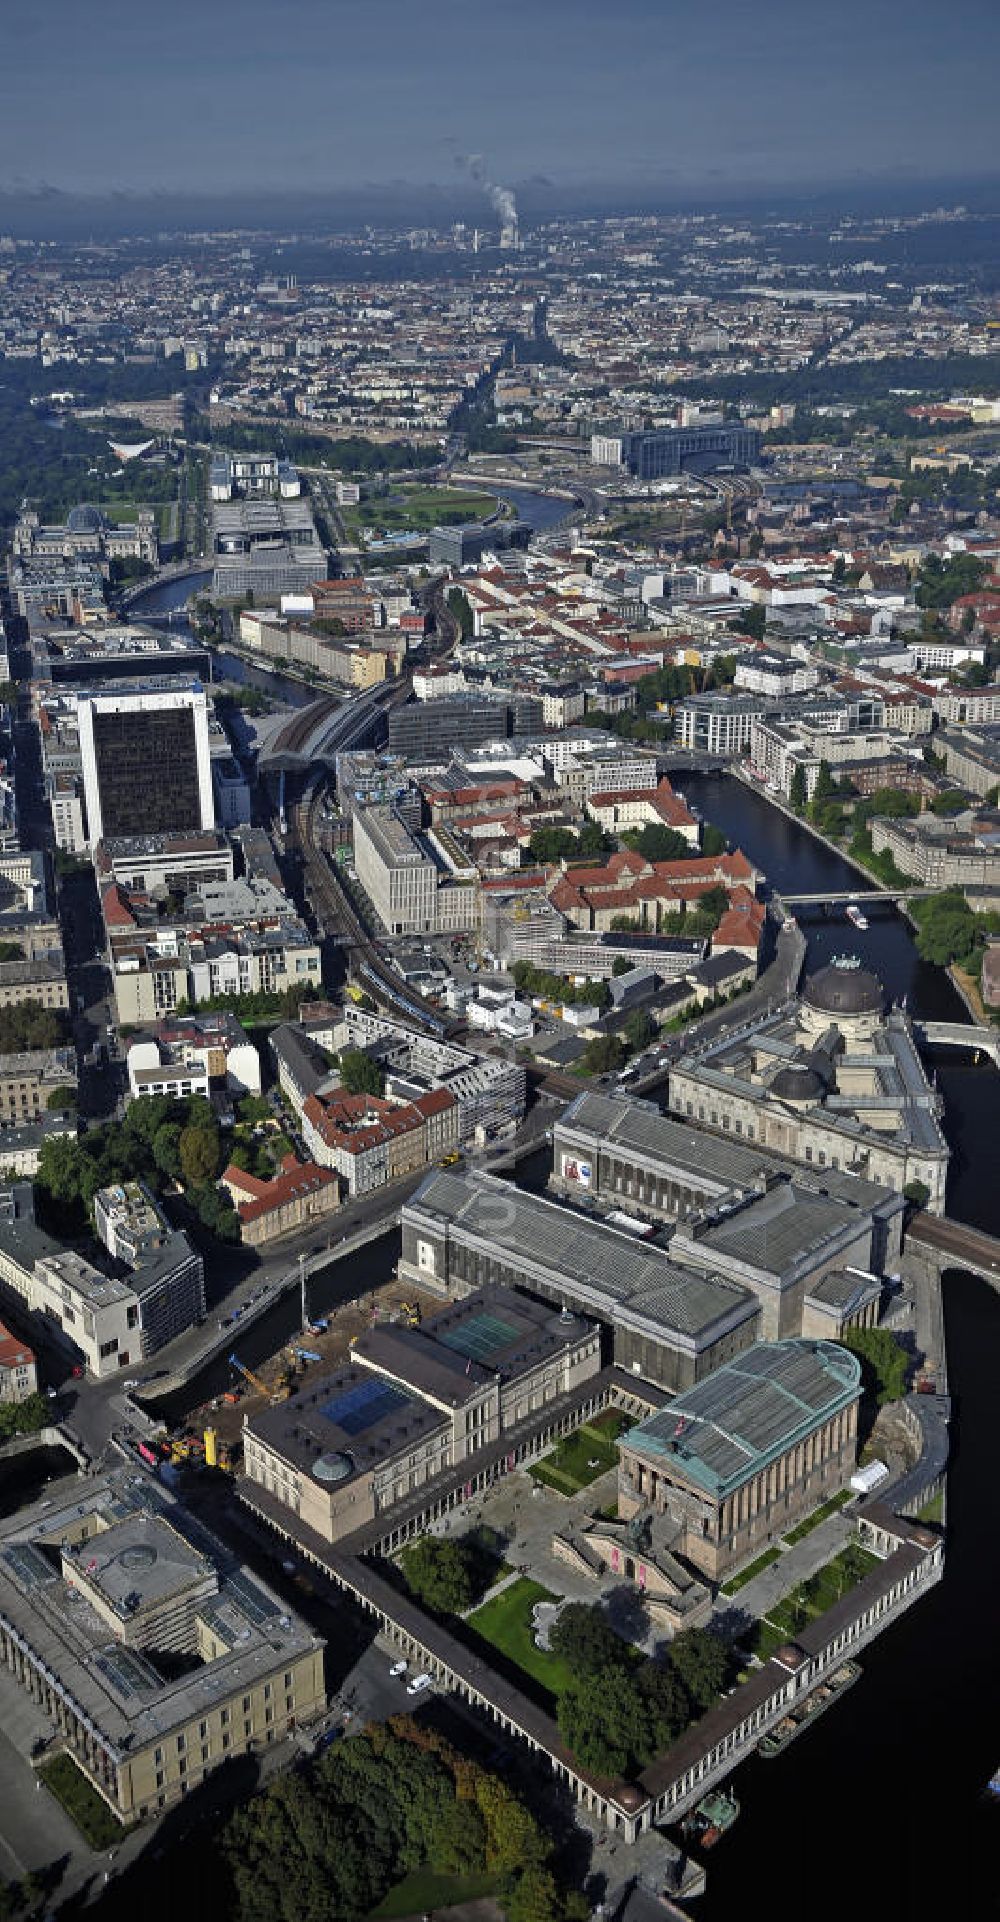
(85, 519)
(843, 988)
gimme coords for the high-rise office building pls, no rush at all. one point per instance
(672, 450)
(145, 759)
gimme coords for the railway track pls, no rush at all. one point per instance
(339, 919)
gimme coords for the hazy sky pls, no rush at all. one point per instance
(134, 95)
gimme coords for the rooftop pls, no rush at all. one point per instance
(600, 1269)
(141, 1542)
(750, 1411)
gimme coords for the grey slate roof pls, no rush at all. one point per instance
(590, 1264)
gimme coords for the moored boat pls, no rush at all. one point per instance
(854, 914)
(710, 1818)
(808, 1710)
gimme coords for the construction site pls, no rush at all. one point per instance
(212, 1432)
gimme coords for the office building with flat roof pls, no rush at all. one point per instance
(407, 878)
(662, 451)
(428, 731)
(145, 760)
(735, 1461)
(153, 1652)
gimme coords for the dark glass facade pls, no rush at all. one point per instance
(147, 771)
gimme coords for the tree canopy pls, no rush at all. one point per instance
(620, 1709)
(25, 1026)
(359, 1074)
(883, 1361)
(331, 1841)
(448, 1575)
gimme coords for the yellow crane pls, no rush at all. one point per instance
(256, 1381)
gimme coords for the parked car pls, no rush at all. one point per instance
(419, 1683)
(399, 1668)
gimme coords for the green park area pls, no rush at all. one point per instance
(505, 1623)
(810, 1599)
(580, 1458)
(126, 513)
(80, 1799)
(419, 508)
(425, 1890)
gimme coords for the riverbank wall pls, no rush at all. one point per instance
(221, 1343)
(739, 773)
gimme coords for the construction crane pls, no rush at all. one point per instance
(248, 1375)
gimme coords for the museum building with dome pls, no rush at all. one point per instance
(833, 1079)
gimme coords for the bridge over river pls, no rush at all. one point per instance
(960, 1034)
(953, 1244)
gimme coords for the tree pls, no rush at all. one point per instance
(883, 1362)
(917, 1192)
(658, 843)
(535, 1897)
(584, 1639)
(667, 1701)
(25, 1026)
(826, 786)
(797, 789)
(713, 841)
(947, 929)
(605, 1719)
(895, 803)
(199, 1153)
(639, 1029)
(592, 841)
(24, 1417)
(167, 1150)
(604, 1054)
(62, 1099)
(621, 964)
(751, 621)
(701, 1661)
(448, 1575)
(359, 1074)
(952, 801)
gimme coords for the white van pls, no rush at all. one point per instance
(418, 1684)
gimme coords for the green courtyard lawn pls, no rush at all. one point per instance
(567, 1467)
(83, 1805)
(818, 1515)
(757, 1567)
(505, 1623)
(425, 1889)
(810, 1599)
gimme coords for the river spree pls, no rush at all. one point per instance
(879, 1809)
(793, 860)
